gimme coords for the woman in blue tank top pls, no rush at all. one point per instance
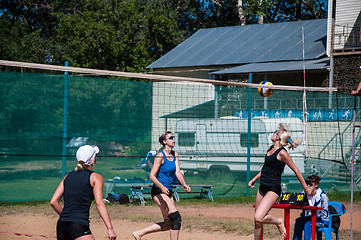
(165, 170)
(270, 189)
(78, 189)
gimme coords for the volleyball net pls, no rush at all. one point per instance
(222, 129)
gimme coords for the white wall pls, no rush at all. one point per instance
(346, 15)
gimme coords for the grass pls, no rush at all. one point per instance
(36, 178)
(333, 196)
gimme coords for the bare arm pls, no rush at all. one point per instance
(179, 175)
(252, 182)
(286, 158)
(152, 176)
(357, 89)
(58, 194)
(96, 181)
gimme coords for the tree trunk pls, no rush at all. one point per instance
(242, 18)
(260, 16)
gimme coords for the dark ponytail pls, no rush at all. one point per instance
(163, 136)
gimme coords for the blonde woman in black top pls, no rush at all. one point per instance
(270, 185)
(78, 189)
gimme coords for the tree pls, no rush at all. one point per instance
(127, 35)
(20, 45)
(268, 11)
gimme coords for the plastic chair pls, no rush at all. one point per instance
(327, 230)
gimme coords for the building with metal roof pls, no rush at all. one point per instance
(271, 52)
(230, 52)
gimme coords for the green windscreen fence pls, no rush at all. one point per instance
(221, 131)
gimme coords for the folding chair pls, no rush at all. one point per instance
(327, 230)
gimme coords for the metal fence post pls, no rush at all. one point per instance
(65, 120)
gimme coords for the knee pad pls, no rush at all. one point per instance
(176, 220)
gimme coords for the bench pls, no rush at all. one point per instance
(203, 189)
(137, 191)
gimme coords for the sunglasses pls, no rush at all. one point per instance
(309, 184)
(171, 137)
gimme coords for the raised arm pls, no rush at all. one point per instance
(286, 158)
(96, 181)
(357, 89)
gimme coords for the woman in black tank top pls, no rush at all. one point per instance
(78, 189)
(269, 191)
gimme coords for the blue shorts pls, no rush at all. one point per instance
(71, 230)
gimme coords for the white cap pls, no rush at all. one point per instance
(86, 154)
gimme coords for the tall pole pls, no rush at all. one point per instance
(65, 120)
(330, 82)
(304, 95)
(249, 135)
(352, 161)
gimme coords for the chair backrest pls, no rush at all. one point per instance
(339, 207)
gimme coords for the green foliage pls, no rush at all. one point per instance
(344, 197)
(20, 45)
(125, 35)
(286, 10)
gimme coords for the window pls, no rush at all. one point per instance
(186, 139)
(254, 140)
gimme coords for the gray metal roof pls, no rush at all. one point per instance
(248, 44)
(277, 67)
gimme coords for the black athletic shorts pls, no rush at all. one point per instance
(71, 230)
(156, 191)
(265, 189)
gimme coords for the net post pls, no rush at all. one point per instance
(249, 136)
(352, 162)
(65, 120)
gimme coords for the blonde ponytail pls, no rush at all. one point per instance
(285, 138)
(79, 166)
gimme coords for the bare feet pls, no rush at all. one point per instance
(281, 228)
(136, 236)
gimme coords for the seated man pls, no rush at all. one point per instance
(318, 198)
(148, 161)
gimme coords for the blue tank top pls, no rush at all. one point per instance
(272, 169)
(78, 195)
(166, 172)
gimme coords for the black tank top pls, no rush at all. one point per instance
(78, 195)
(272, 169)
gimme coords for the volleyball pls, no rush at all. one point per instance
(264, 91)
